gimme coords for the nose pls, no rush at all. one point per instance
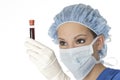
(71, 45)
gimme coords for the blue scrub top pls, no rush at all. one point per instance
(109, 74)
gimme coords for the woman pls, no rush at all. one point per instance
(80, 32)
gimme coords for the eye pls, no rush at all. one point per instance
(80, 41)
(62, 43)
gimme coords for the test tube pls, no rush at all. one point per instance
(32, 29)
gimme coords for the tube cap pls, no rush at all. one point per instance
(31, 22)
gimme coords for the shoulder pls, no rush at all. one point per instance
(109, 74)
(117, 76)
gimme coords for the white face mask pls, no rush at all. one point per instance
(79, 60)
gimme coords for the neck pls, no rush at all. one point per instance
(98, 68)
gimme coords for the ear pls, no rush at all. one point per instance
(100, 42)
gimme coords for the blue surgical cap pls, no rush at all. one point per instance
(85, 15)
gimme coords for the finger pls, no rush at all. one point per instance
(43, 59)
(40, 51)
(41, 63)
(34, 54)
(36, 62)
(36, 43)
(34, 48)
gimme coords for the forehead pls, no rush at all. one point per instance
(72, 28)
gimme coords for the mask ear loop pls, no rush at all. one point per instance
(113, 59)
(108, 39)
(99, 61)
(94, 40)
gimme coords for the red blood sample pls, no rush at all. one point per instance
(32, 29)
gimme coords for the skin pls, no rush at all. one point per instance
(71, 35)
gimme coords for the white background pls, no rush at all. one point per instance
(14, 29)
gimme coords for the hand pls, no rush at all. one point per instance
(45, 60)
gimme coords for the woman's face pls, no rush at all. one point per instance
(71, 35)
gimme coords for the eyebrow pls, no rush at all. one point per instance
(61, 38)
(80, 35)
(75, 36)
